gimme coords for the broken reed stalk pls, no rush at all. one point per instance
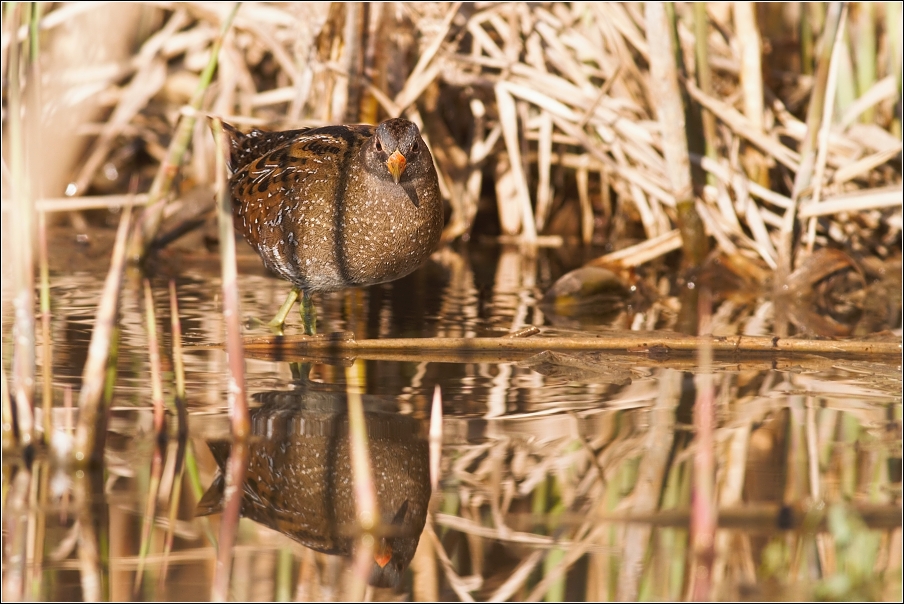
(92, 424)
(822, 139)
(22, 235)
(181, 431)
(238, 401)
(509, 119)
(178, 363)
(751, 76)
(154, 359)
(642, 252)
(704, 79)
(804, 174)
(671, 116)
(178, 146)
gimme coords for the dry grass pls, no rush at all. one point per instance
(552, 105)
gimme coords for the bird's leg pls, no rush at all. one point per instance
(280, 319)
(301, 371)
(308, 313)
(301, 374)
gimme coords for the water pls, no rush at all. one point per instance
(574, 483)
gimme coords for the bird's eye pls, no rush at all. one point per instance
(379, 146)
(415, 146)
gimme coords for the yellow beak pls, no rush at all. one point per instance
(396, 165)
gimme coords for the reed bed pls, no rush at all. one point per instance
(552, 106)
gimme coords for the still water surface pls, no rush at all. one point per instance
(569, 479)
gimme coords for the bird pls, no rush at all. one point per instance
(336, 206)
(299, 478)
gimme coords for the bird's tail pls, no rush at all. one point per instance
(240, 147)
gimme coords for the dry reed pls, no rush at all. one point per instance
(538, 98)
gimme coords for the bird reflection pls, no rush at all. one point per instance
(299, 477)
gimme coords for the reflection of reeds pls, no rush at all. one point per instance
(630, 467)
(92, 418)
(368, 512)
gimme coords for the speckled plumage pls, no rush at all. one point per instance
(324, 211)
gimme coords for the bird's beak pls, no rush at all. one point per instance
(382, 550)
(396, 165)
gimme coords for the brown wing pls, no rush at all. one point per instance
(286, 197)
(244, 148)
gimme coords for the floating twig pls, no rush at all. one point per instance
(626, 342)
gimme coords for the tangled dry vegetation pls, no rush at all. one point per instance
(781, 122)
